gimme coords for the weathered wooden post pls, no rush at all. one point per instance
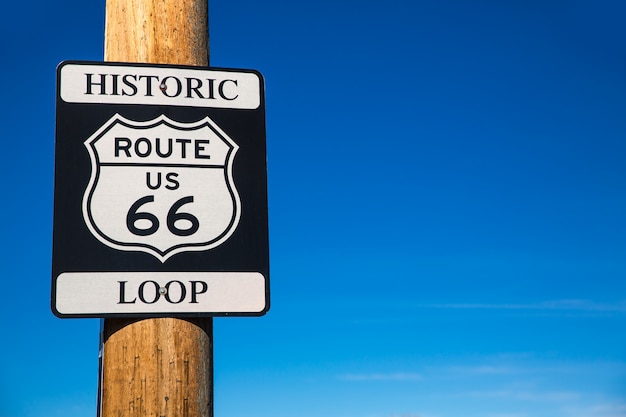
(160, 213)
(157, 367)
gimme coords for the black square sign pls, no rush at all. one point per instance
(160, 200)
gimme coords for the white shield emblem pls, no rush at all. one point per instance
(161, 186)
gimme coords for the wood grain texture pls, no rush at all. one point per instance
(157, 367)
(157, 31)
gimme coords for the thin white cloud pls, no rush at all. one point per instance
(408, 415)
(498, 366)
(523, 364)
(394, 376)
(524, 395)
(599, 410)
(508, 415)
(572, 305)
(486, 370)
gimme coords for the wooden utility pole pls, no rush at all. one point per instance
(157, 367)
(157, 31)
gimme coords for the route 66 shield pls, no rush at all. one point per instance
(161, 186)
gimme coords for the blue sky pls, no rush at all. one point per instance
(446, 199)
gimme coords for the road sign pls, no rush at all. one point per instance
(160, 192)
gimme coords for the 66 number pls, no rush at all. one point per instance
(173, 216)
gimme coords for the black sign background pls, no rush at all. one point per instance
(75, 249)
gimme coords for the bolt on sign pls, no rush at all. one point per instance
(160, 200)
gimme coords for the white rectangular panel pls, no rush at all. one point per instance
(159, 85)
(93, 293)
